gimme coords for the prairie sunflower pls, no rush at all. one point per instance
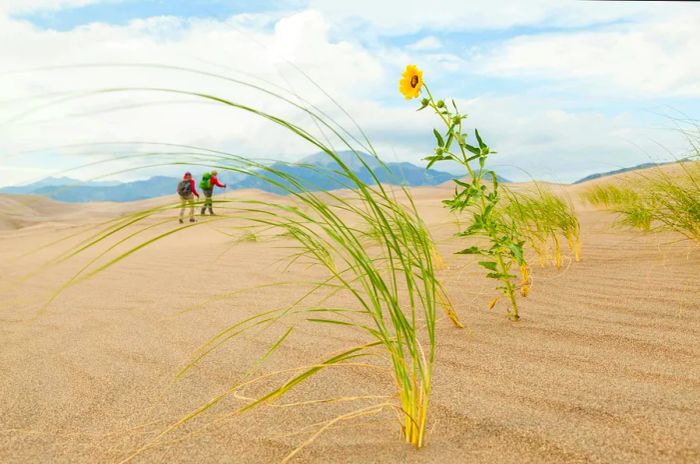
(411, 82)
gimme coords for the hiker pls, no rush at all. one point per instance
(207, 185)
(187, 192)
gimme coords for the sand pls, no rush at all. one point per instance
(603, 366)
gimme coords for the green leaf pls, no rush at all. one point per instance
(517, 250)
(472, 250)
(431, 160)
(500, 276)
(462, 183)
(490, 265)
(494, 179)
(332, 321)
(438, 137)
(449, 140)
(474, 150)
(482, 145)
(471, 230)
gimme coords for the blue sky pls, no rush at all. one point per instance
(561, 89)
(121, 12)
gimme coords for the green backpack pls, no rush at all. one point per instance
(205, 183)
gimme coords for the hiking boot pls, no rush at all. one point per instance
(181, 221)
(193, 220)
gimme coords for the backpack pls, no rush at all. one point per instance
(184, 188)
(205, 183)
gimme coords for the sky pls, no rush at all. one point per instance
(559, 89)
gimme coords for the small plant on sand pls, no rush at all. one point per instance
(544, 220)
(609, 195)
(673, 203)
(636, 214)
(655, 200)
(479, 193)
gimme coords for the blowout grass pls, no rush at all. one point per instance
(393, 283)
(545, 220)
(608, 195)
(657, 200)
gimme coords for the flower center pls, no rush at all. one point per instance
(414, 81)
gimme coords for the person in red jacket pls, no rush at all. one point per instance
(208, 192)
(187, 192)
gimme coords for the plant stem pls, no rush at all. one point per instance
(510, 290)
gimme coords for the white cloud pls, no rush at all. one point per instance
(229, 47)
(407, 16)
(533, 137)
(535, 134)
(650, 58)
(27, 6)
(427, 43)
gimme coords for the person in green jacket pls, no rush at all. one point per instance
(207, 184)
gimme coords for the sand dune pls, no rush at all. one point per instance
(653, 172)
(603, 366)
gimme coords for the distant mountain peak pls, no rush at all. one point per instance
(322, 177)
(349, 158)
(623, 170)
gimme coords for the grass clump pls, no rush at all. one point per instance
(635, 214)
(655, 201)
(673, 203)
(392, 282)
(608, 195)
(545, 220)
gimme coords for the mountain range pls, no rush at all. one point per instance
(316, 172)
(623, 170)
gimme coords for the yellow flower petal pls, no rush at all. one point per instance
(411, 82)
